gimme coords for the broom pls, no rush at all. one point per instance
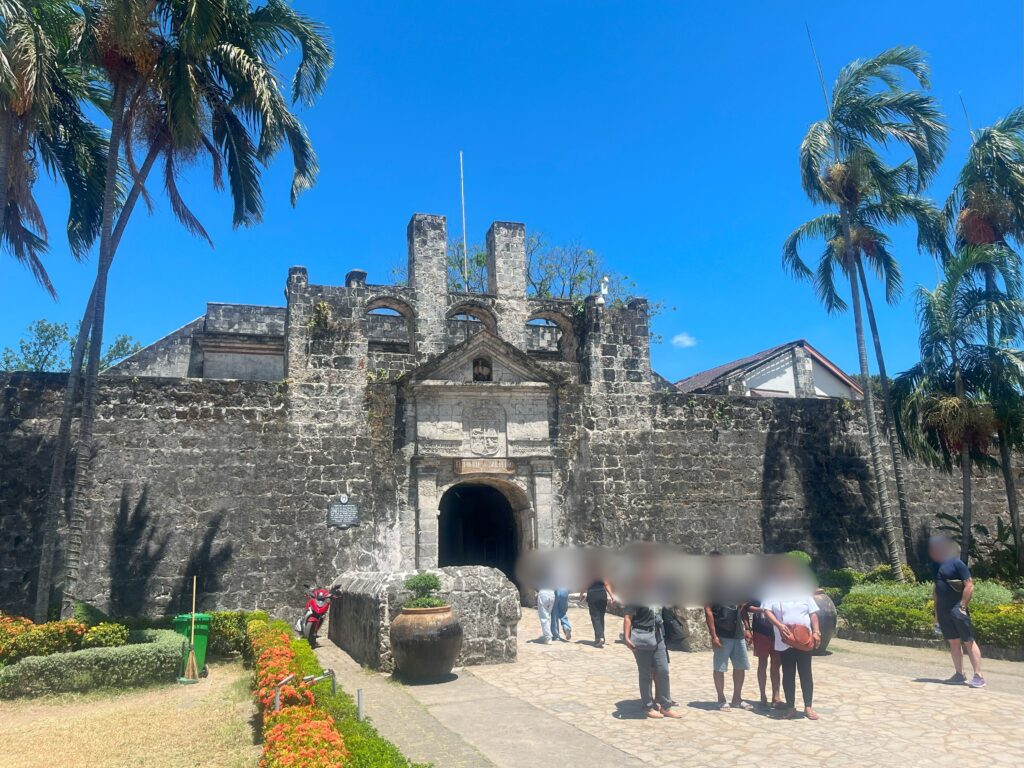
(191, 670)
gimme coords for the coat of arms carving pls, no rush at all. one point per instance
(485, 428)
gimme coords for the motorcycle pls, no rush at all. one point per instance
(309, 623)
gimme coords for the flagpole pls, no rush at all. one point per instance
(465, 250)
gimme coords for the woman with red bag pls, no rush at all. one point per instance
(794, 615)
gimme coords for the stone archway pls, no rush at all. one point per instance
(478, 526)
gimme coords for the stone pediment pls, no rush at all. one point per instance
(508, 365)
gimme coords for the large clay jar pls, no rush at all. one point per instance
(425, 642)
(827, 618)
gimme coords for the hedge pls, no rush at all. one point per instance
(367, 748)
(300, 732)
(907, 611)
(228, 631)
(153, 656)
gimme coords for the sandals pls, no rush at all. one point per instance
(745, 705)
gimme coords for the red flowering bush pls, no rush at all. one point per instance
(20, 638)
(302, 736)
(299, 734)
(273, 661)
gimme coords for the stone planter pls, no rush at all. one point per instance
(827, 619)
(425, 642)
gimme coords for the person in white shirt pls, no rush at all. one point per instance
(788, 615)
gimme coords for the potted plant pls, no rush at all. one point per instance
(426, 637)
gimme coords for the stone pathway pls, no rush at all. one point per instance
(570, 704)
(398, 717)
(877, 705)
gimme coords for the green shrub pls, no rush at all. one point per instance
(153, 656)
(105, 635)
(883, 572)
(88, 614)
(368, 749)
(1001, 625)
(43, 640)
(836, 593)
(422, 585)
(228, 631)
(887, 614)
(918, 592)
(802, 557)
(841, 578)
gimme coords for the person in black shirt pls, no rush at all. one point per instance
(952, 592)
(644, 634)
(598, 594)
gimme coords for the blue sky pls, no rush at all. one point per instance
(663, 135)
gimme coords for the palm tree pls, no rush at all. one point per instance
(985, 207)
(870, 111)
(42, 123)
(943, 399)
(187, 80)
(871, 245)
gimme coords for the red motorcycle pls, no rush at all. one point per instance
(309, 623)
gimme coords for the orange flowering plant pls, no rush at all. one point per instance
(299, 734)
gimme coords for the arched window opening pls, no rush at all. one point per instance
(389, 326)
(467, 320)
(550, 335)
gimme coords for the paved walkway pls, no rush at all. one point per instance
(570, 704)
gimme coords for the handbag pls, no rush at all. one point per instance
(801, 637)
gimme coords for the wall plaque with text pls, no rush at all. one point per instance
(485, 467)
(342, 513)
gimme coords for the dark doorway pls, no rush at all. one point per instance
(477, 527)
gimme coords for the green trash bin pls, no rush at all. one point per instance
(183, 626)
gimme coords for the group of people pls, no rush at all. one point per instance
(782, 630)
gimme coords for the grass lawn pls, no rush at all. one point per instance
(174, 726)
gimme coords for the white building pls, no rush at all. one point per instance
(794, 369)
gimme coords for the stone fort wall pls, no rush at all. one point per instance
(232, 480)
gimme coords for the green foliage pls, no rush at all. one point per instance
(836, 593)
(422, 584)
(842, 578)
(906, 610)
(884, 573)
(801, 557)
(1001, 625)
(48, 346)
(43, 640)
(228, 631)
(153, 656)
(424, 602)
(887, 614)
(105, 635)
(368, 749)
(89, 615)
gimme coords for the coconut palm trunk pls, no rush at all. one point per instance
(967, 519)
(874, 444)
(62, 446)
(7, 120)
(79, 501)
(1005, 454)
(889, 421)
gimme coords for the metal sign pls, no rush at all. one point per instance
(341, 513)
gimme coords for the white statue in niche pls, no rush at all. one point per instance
(484, 430)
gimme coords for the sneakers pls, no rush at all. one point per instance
(956, 679)
(568, 633)
(977, 682)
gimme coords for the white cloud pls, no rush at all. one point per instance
(683, 341)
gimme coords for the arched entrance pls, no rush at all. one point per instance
(476, 526)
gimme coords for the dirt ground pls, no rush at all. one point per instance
(174, 726)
